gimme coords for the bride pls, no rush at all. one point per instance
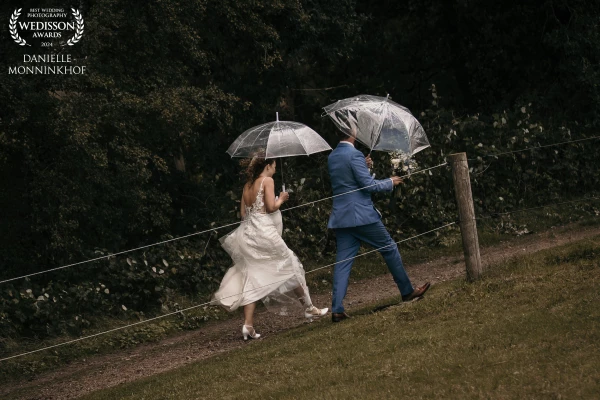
(264, 267)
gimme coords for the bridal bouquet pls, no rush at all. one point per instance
(401, 161)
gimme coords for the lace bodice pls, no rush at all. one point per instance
(258, 207)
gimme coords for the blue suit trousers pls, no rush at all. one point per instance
(348, 243)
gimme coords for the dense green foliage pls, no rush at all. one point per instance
(134, 152)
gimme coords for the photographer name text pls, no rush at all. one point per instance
(30, 67)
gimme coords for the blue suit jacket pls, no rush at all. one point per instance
(348, 171)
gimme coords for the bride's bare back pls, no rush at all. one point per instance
(269, 203)
(251, 191)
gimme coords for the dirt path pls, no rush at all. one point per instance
(85, 376)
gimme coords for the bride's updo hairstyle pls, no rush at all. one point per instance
(254, 166)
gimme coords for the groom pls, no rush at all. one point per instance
(355, 219)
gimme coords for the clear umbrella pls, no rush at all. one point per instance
(278, 139)
(379, 124)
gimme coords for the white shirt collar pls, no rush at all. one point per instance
(344, 142)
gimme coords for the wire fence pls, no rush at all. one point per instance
(204, 231)
(214, 300)
(535, 148)
(214, 229)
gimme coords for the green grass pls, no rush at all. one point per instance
(529, 329)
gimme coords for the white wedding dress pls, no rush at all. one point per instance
(264, 267)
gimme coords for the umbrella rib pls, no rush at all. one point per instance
(248, 132)
(264, 127)
(380, 125)
(300, 140)
(275, 125)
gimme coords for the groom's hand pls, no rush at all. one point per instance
(396, 180)
(369, 161)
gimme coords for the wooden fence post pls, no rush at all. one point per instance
(466, 214)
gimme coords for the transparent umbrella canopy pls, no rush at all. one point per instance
(278, 139)
(379, 124)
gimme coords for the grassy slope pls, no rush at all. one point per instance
(530, 329)
(364, 268)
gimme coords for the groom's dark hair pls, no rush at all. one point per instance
(340, 135)
(343, 136)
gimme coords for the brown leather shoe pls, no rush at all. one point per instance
(337, 317)
(417, 293)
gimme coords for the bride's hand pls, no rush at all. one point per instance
(284, 196)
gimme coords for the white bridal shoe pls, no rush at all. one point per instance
(249, 332)
(314, 312)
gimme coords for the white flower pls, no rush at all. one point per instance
(422, 113)
(302, 181)
(123, 307)
(106, 291)
(160, 271)
(480, 145)
(523, 110)
(500, 198)
(153, 269)
(28, 290)
(395, 162)
(41, 298)
(97, 289)
(503, 120)
(165, 262)
(526, 140)
(47, 295)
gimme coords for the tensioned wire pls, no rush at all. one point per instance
(356, 190)
(534, 148)
(291, 208)
(496, 215)
(199, 233)
(212, 301)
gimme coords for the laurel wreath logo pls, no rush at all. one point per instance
(12, 28)
(79, 31)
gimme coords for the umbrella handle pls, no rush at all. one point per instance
(283, 187)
